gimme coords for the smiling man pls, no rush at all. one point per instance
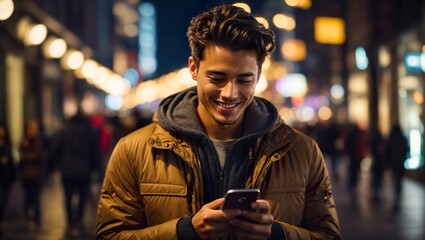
(168, 179)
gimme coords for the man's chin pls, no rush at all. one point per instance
(226, 121)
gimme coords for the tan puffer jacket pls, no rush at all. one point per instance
(153, 179)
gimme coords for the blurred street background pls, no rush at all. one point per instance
(348, 73)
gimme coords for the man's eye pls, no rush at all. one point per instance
(244, 81)
(216, 79)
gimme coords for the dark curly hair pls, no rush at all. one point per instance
(230, 27)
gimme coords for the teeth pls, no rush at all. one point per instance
(227, 105)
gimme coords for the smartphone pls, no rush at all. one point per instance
(240, 198)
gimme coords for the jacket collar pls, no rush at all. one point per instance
(278, 140)
(273, 144)
(177, 114)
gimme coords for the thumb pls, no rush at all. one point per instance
(216, 204)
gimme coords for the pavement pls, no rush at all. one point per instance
(361, 217)
(53, 217)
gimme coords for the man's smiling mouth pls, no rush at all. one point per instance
(227, 105)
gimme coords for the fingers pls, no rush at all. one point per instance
(257, 217)
(223, 215)
(262, 206)
(258, 225)
(251, 230)
(216, 204)
(211, 222)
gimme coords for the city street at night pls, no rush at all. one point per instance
(173, 103)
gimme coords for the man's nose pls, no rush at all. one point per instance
(230, 90)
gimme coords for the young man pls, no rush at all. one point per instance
(167, 180)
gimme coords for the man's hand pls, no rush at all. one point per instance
(211, 222)
(260, 226)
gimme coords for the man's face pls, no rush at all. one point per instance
(226, 85)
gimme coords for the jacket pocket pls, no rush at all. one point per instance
(155, 189)
(287, 203)
(164, 202)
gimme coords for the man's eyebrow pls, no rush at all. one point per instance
(215, 72)
(248, 74)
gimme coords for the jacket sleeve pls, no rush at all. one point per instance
(120, 213)
(320, 220)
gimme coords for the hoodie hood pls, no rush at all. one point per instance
(177, 114)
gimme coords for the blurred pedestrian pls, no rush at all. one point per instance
(328, 135)
(7, 170)
(32, 168)
(104, 133)
(396, 152)
(355, 147)
(378, 164)
(76, 153)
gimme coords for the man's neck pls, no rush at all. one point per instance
(215, 130)
(221, 132)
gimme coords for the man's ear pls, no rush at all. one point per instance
(193, 68)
